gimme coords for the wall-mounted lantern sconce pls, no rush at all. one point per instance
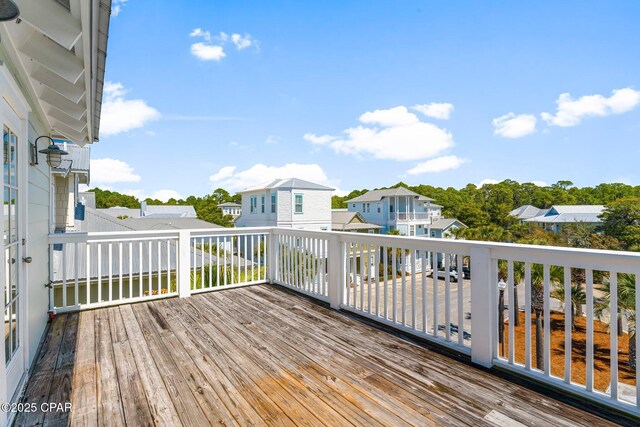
(8, 10)
(53, 152)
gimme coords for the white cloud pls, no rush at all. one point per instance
(396, 134)
(232, 180)
(110, 171)
(487, 181)
(436, 110)
(197, 32)
(439, 164)
(165, 194)
(512, 126)
(135, 192)
(540, 183)
(116, 7)
(207, 52)
(120, 114)
(241, 42)
(272, 139)
(570, 112)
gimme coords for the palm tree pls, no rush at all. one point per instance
(626, 306)
(556, 275)
(578, 297)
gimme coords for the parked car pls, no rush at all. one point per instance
(453, 274)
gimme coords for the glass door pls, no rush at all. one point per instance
(14, 360)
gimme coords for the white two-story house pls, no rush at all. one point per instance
(397, 209)
(291, 203)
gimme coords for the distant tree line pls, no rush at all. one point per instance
(206, 207)
(485, 210)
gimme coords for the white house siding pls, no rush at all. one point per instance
(316, 210)
(285, 206)
(37, 273)
(37, 195)
(257, 219)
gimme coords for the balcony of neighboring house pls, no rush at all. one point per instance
(411, 217)
(279, 326)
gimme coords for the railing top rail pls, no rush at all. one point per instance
(110, 235)
(575, 257)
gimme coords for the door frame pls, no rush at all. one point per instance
(12, 96)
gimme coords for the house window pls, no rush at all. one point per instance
(298, 204)
(391, 208)
(273, 202)
(378, 207)
(354, 205)
(262, 204)
(364, 208)
(368, 207)
(254, 204)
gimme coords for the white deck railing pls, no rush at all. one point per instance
(441, 290)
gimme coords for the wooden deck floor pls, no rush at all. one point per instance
(262, 356)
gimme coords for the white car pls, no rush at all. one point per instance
(453, 275)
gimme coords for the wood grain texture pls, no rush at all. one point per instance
(262, 356)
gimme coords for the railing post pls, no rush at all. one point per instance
(184, 263)
(336, 260)
(272, 263)
(483, 307)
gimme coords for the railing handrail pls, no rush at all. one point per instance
(578, 257)
(82, 237)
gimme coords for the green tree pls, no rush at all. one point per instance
(621, 220)
(626, 306)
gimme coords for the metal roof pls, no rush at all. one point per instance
(168, 211)
(526, 211)
(445, 223)
(147, 223)
(118, 211)
(378, 195)
(288, 183)
(230, 205)
(342, 221)
(570, 214)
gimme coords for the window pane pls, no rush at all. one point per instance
(14, 326)
(7, 274)
(5, 152)
(7, 335)
(12, 283)
(13, 228)
(6, 197)
(13, 144)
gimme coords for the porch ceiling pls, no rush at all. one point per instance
(59, 49)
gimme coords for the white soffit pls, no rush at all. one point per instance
(59, 49)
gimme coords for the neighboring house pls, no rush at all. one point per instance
(290, 203)
(120, 212)
(443, 227)
(96, 220)
(167, 211)
(151, 211)
(65, 181)
(397, 209)
(52, 63)
(343, 220)
(526, 212)
(560, 215)
(230, 208)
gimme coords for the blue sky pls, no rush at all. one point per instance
(364, 94)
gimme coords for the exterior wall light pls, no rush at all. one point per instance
(8, 10)
(53, 152)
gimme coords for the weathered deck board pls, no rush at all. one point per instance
(263, 356)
